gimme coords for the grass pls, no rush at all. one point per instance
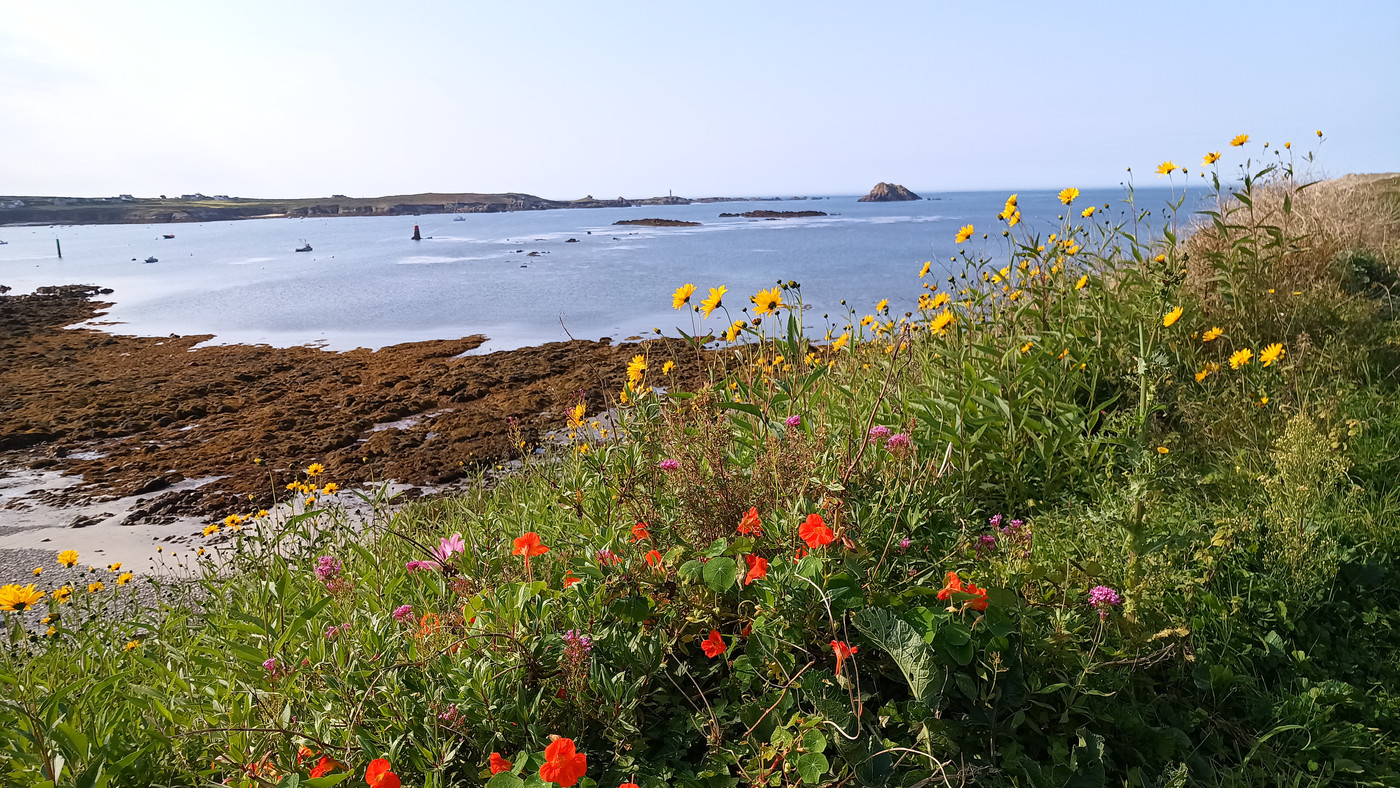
(1041, 532)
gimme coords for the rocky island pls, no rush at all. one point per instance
(772, 214)
(889, 192)
(658, 223)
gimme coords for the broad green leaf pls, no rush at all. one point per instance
(720, 574)
(895, 637)
(811, 766)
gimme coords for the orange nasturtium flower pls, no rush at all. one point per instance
(843, 653)
(570, 580)
(640, 532)
(814, 532)
(954, 585)
(499, 764)
(758, 568)
(562, 763)
(653, 558)
(379, 776)
(751, 525)
(529, 545)
(713, 645)
(326, 765)
(629, 785)
(428, 625)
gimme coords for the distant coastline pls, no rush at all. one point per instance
(126, 209)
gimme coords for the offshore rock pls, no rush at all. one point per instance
(889, 192)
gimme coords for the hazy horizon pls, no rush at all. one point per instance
(561, 100)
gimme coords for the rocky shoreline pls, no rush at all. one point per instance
(222, 429)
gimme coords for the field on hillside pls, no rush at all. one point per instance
(1116, 506)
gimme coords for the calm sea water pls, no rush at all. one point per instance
(366, 284)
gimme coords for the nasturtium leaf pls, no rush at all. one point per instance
(720, 574)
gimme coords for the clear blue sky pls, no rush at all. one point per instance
(563, 99)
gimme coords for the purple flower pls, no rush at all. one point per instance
(421, 566)
(904, 544)
(334, 632)
(793, 421)
(270, 664)
(899, 443)
(879, 432)
(1103, 598)
(670, 464)
(403, 613)
(986, 543)
(995, 521)
(328, 568)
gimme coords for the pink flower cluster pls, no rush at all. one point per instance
(403, 614)
(1104, 598)
(328, 568)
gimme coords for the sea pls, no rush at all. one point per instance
(367, 284)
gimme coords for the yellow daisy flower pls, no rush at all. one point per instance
(315, 469)
(1241, 358)
(17, 599)
(715, 300)
(1087, 212)
(93, 588)
(1210, 158)
(682, 295)
(1240, 140)
(1083, 280)
(767, 302)
(1271, 354)
(635, 369)
(667, 367)
(1171, 317)
(963, 234)
(68, 557)
(125, 577)
(732, 333)
(1067, 196)
(1166, 168)
(924, 271)
(1212, 334)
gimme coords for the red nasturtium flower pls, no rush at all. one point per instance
(499, 764)
(751, 525)
(304, 752)
(629, 785)
(814, 532)
(570, 580)
(799, 555)
(758, 568)
(325, 767)
(843, 652)
(529, 545)
(713, 645)
(640, 532)
(429, 625)
(379, 776)
(653, 558)
(562, 764)
(953, 584)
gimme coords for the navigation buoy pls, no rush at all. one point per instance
(416, 235)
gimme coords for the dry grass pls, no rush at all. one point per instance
(1325, 219)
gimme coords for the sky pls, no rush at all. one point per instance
(635, 99)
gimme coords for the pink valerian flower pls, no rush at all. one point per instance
(334, 632)
(670, 464)
(1104, 598)
(904, 544)
(899, 444)
(422, 566)
(449, 547)
(878, 433)
(986, 543)
(275, 669)
(328, 568)
(994, 521)
(451, 717)
(403, 613)
(793, 421)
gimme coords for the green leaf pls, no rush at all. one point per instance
(811, 766)
(720, 574)
(327, 781)
(906, 646)
(813, 741)
(505, 780)
(690, 570)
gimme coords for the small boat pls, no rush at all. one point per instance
(167, 236)
(150, 260)
(458, 219)
(304, 248)
(2, 243)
